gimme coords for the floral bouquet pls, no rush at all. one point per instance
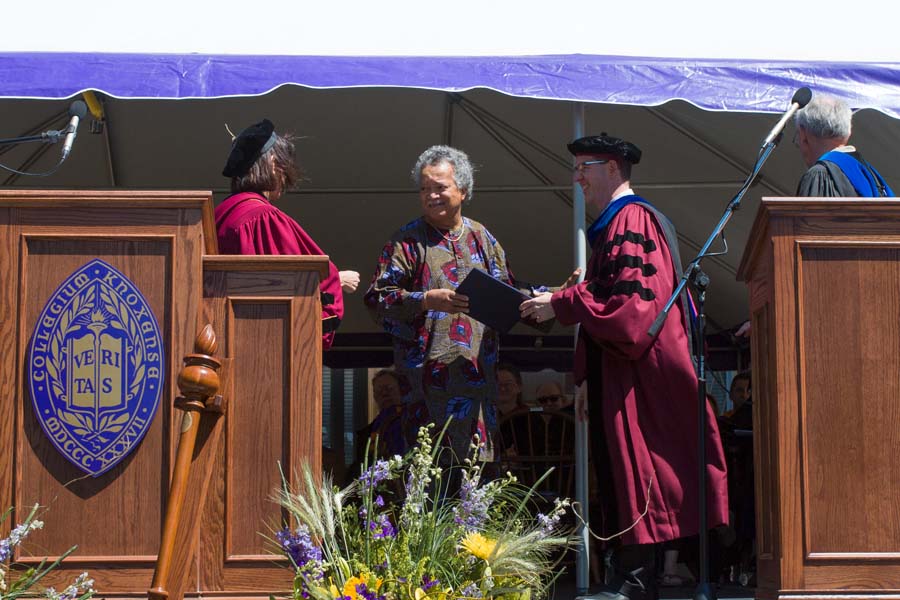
(478, 541)
(81, 589)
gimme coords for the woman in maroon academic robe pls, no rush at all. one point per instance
(261, 167)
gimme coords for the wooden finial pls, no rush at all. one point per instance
(206, 342)
(198, 380)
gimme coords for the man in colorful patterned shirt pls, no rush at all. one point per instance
(449, 358)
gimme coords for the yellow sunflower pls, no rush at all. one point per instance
(350, 587)
(479, 546)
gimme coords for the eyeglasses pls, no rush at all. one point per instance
(587, 163)
(549, 399)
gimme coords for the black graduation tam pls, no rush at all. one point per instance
(606, 144)
(248, 146)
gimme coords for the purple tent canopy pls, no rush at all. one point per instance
(732, 85)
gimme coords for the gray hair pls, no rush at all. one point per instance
(825, 117)
(463, 172)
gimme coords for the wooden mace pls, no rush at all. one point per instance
(199, 384)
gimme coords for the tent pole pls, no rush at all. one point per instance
(583, 562)
(448, 119)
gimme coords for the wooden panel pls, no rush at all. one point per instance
(783, 364)
(763, 427)
(136, 485)
(860, 578)
(156, 239)
(9, 365)
(825, 276)
(258, 427)
(269, 311)
(849, 305)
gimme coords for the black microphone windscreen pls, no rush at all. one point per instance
(802, 97)
(78, 109)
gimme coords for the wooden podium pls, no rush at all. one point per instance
(824, 279)
(266, 313)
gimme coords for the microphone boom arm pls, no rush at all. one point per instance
(733, 205)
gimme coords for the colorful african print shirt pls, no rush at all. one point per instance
(450, 360)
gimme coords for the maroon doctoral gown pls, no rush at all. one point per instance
(643, 391)
(246, 223)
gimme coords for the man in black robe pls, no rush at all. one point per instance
(835, 168)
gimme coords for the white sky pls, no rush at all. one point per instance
(862, 31)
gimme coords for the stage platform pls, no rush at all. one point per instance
(565, 590)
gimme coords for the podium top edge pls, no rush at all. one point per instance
(137, 198)
(857, 210)
(262, 263)
(828, 204)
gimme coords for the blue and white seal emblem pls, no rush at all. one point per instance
(96, 367)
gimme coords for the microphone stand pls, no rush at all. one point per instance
(48, 137)
(700, 281)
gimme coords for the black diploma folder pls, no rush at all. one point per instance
(494, 303)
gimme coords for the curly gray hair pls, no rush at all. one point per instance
(825, 117)
(463, 172)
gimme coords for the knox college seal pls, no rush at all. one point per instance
(96, 367)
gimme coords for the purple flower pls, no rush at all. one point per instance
(379, 501)
(382, 527)
(5, 550)
(548, 523)
(363, 591)
(428, 582)
(471, 591)
(374, 475)
(473, 505)
(298, 546)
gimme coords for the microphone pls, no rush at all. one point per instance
(801, 98)
(77, 111)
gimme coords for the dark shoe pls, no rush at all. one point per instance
(636, 585)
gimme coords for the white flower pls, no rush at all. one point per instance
(82, 585)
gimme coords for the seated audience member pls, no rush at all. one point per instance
(835, 169)
(560, 432)
(396, 424)
(513, 431)
(737, 438)
(509, 389)
(557, 437)
(741, 414)
(549, 396)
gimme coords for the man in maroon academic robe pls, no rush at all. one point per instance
(641, 391)
(261, 167)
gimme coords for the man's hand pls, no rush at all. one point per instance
(349, 281)
(581, 405)
(538, 308)
(572, 280)
(443, 300)
(744, 330)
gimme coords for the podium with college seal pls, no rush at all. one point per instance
(824, 279)
(104, 296)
